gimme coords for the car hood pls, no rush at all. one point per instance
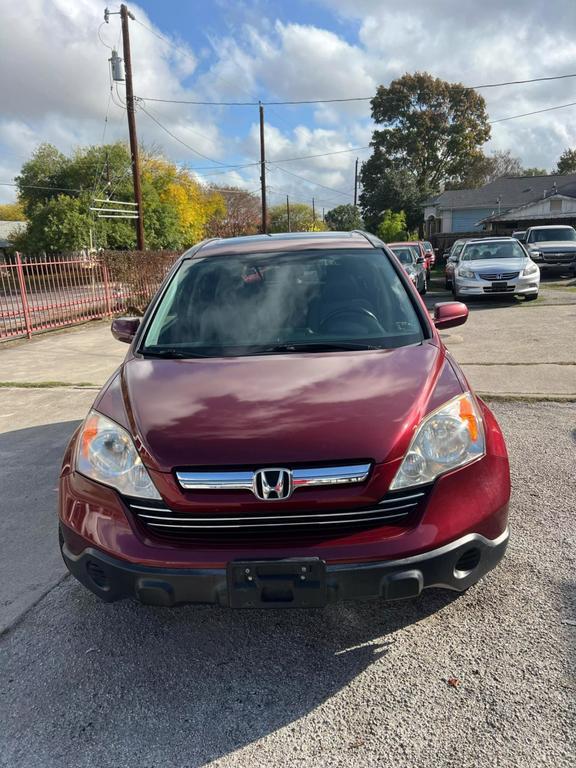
(553, 245)
(495, 265)
(281, 409)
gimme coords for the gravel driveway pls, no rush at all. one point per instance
(484, 679)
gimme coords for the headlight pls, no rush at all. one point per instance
(530, 269)
(467, 274)
(449, 437)
(107, 454)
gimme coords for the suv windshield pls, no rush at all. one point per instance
(284, 302)
(510, 249)
(543, 235)
(406, 255)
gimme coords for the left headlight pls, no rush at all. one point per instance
(106, 453)
(530, 269)
(449, 437)
(467, 274)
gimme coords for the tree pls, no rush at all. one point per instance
(241, 214)
(393, 227)
(301, 219)
(344, 218)
(534, 171)
(12, 212)
(62, 224)
(387, 188)
(430, 127)
(488, 168)
(177, 209)
(567, 162)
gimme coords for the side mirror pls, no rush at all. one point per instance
(448, 314)
(420, 260)
(124, 328)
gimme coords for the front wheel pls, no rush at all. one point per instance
(531, 297)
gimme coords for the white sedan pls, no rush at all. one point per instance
(495, 265)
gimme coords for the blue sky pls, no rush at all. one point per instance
(58, 89)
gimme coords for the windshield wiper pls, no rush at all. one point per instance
(169, 353)
(318, 346)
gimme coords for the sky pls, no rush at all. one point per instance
(55, 83)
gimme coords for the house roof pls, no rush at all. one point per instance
(513, 192)
(532, 210)
(7, 229)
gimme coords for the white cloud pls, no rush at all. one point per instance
(58, 82)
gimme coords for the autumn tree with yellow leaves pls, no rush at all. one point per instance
(56, 191)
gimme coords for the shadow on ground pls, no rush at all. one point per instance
(30, 562)
(199, 682)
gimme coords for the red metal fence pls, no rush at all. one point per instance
(40, 295)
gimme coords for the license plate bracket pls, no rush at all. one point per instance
(499, 285)
(298, 583)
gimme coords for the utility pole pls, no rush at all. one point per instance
(288, 212)
(125, 15)
(313, 215)
(263, 172)
(323, 214)
(356, 184)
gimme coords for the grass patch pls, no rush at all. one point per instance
(44, 384)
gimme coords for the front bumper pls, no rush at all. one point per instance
(516, 287)
(454, 566)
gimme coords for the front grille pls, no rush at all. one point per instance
(559, 258)
(498, 275)
(161, 521)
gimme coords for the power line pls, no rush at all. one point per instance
(38, 186)
(347, 99)
(314, 183)
(177, 138)
(535, 112)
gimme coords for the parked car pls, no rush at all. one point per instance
(552, 247)
(410, 258)
(429, 252)
(419, 245)
(495, 265)
(452, 260)
(520, 235)
(287, 441)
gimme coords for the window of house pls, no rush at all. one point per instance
(555, 206)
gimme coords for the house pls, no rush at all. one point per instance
(488, 207)
(7, 230)
(559, 207)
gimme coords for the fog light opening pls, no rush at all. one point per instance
(467, 562)
(97, 574)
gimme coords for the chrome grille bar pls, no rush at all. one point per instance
(244, 480)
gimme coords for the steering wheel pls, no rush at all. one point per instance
(366, 314)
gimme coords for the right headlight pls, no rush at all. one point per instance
(530, 269)
(106, 453)
(466, 273)
(449, 437)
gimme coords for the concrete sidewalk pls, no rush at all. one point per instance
(516, 350)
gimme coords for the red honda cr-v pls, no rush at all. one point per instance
(287, 429)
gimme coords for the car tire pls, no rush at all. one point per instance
(531, 297)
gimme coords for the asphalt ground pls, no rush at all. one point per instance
(481, 679)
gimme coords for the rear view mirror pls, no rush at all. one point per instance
(124, 328)
(448, 314)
